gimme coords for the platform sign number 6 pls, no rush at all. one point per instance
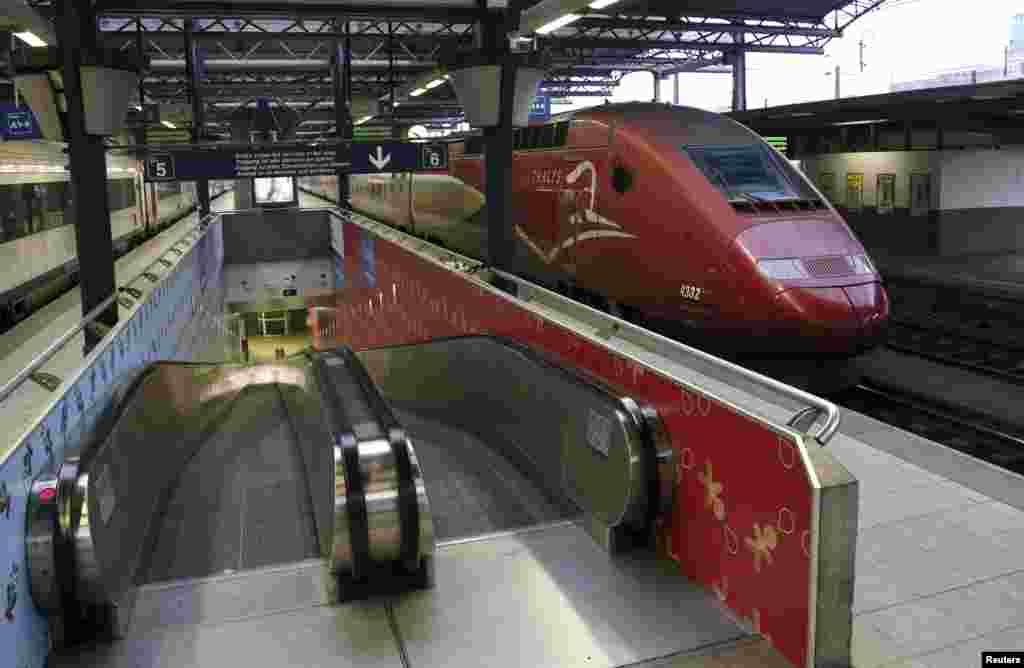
(434, 156)
(160, 167)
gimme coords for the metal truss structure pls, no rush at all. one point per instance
(282, 52)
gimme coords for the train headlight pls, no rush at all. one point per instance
(862, 264)
(782, 269)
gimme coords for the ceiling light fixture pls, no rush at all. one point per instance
(864, 122)
(168, 124)
(557, 23)
(30, 38)
(417, 92)
(601, 4)
(435, 83)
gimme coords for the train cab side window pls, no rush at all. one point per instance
(552, 135)
(622, 179)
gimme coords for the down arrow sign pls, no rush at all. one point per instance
(380, 160)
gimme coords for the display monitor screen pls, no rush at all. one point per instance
(274, 190)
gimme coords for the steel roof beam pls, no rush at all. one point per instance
(661, 25)
(281, 64)
(464, 10)
(672, 45)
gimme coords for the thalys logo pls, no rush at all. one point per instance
(583, 221)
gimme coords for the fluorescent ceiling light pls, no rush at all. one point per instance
(877, 120)
(138, 107)
(30, 38)
(168, 124)
(601, 4)
(435, 83)
(418, 92)
(557, 23)
(363, 120)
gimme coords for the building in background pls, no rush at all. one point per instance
(1012, 68)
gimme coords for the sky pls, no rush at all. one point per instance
(904, 40)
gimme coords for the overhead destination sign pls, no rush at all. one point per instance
(396, 156)
(257, 162)
(263, 162)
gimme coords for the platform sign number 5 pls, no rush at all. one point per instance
(160, 167)
(434, 156)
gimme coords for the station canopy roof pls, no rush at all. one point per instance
(995, 108)
(280, 51)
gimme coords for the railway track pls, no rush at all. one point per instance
(949, 425)
(958, 348)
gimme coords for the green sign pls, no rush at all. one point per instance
(779, 143)
(168, 136)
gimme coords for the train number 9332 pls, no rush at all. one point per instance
(691, 292)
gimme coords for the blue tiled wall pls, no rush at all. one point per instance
(181, 319)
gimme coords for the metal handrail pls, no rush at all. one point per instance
(832, 416)
(42, 358)
(831, 412)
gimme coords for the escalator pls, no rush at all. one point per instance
(278, 514)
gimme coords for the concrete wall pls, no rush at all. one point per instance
(977, 197)
(276, 235)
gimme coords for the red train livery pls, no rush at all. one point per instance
(678, 218)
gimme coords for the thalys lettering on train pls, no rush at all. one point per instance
(681, 219)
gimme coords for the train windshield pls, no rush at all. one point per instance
(747, 172)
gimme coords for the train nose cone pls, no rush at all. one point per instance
(871, 306)
(818, 309)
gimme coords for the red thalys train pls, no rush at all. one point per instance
(680, 219)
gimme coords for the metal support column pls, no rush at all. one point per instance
(341, 61)
(192, 57)
(657, 86)
(675, 89)
(395, 130)
(739, 79)
(140, 52)
(500, 142)
(90, 209)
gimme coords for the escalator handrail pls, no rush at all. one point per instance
(340, 427)
(408, 507)
(646, 427)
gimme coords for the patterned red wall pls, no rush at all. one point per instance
(744, 497)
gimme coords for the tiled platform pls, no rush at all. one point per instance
(542, 597)
(939, 576)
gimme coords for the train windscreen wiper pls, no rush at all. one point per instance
(760, 200)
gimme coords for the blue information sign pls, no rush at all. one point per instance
(261, 162)
(18, 123)
(394, 156)
(257, 162)
(540, 110)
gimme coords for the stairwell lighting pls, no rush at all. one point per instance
(30, 38)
